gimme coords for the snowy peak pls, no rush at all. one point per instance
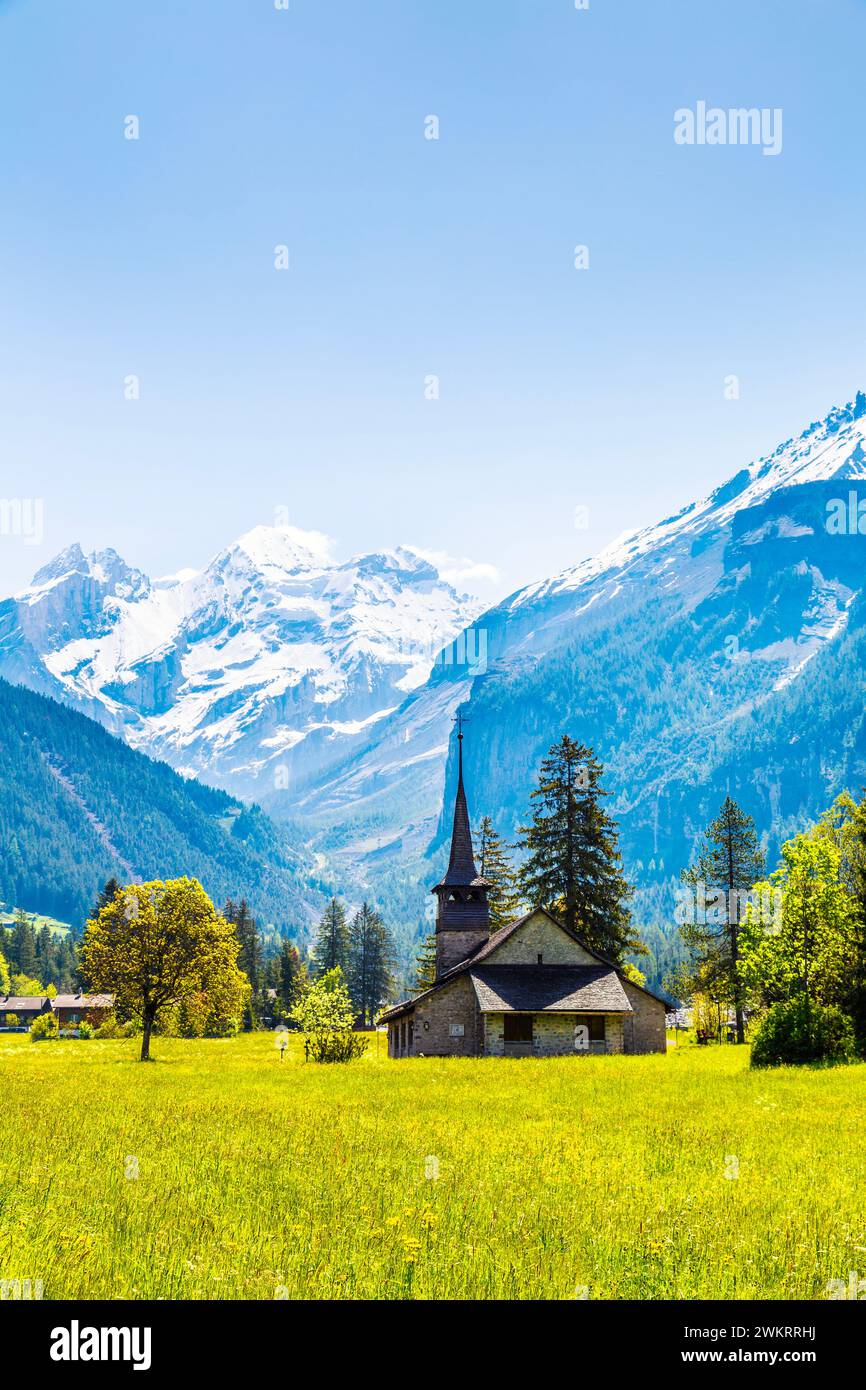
(104, 568)
(283, 548)
(828, 450)
(275, 653)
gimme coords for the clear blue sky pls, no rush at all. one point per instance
(304, 389)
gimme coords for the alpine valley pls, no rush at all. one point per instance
(723, 649)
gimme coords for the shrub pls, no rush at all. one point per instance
(325, 1013)
(11, 1020)
(336, 1047)
(85, 1029)
(798, 1031)
(45, 1028)
(111, 1028)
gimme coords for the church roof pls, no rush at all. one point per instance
(490, 945)
(549, 989)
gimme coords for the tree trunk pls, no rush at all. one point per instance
(145, 1038)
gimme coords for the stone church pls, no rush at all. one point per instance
(531, 989)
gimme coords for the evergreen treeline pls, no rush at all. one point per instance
(36, 957)
(77, 806)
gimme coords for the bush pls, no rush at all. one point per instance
(11, 1020)
(111, 1028)
(45, 1028)
(85, 1030)
(799, 1031)
(335, 1047)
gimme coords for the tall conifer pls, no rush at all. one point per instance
(573, 866)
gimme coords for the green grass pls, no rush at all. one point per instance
(260, 1179)
(37, 922)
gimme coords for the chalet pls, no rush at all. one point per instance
(531, 989)
(72, 1009)
(23, 1008)
(69, 1009)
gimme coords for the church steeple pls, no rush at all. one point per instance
(463, 914)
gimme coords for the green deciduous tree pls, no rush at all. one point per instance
(573, 865)
(798, 937)
(719, 881)
(159, 945)
(844, 824)
(326, 1014)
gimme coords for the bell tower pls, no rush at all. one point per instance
(462, 914)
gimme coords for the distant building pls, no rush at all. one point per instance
(72, 1009)
(69, 1009)
(24, 1008)
(532, 989)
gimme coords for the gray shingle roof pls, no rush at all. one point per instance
(496, 939)
(18, 1003)
(83, 1001)
(549, 989)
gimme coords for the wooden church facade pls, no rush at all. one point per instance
(532, 989)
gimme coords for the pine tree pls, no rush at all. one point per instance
(290, 975)
(249, 958)
(728, 864)
(425, 963)
(331, 947)
(494, 864)
(22, 950)
(110, 890)
(371, 962)
(573, 865)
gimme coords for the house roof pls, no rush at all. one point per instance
(496, 940)
(83, 1001)
(549, 989)
(18, 1003)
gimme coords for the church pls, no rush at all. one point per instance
(531, 989)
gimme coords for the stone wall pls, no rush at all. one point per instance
(454, 947)
(552, 1036)
(540, 937)
(453, 1006)
(645, 1026)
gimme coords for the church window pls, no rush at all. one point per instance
(518, 1028)
(595, 1024)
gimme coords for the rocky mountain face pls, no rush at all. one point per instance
(254, 674)
(721, 650)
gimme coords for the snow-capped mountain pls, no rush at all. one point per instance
(724, 648)
(252, 674)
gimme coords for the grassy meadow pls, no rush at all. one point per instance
(219, 1172)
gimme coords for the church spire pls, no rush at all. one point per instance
(461, 866)
(463, 914)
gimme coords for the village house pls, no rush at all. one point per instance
(531, 989)
(22, 1009)
(70, 1010)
